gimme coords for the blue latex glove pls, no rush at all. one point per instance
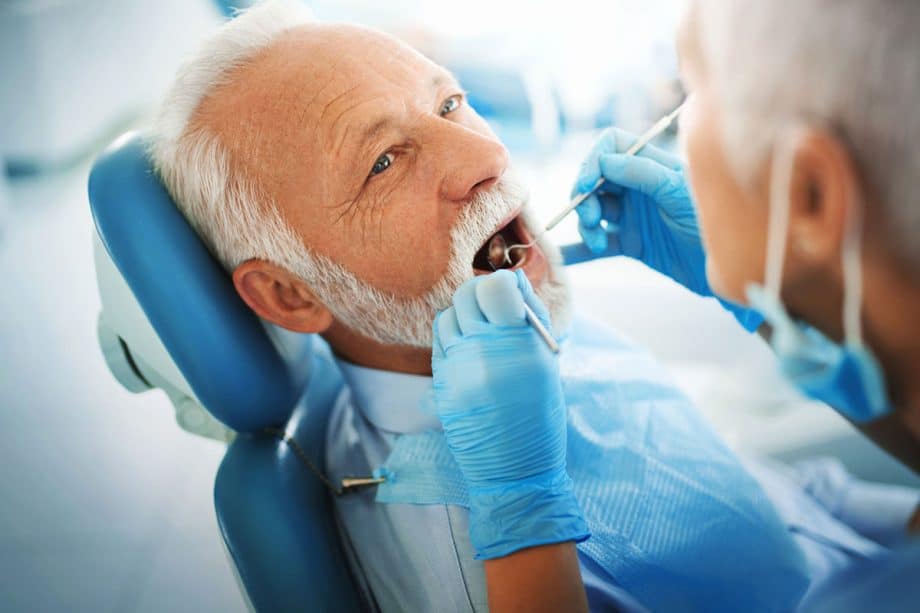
(647, 208)
(499, 396)
(644, 210)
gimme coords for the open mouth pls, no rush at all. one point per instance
(491, 255)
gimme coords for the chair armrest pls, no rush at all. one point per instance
(277, 522)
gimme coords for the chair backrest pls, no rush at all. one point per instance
(218, 353)
(171, 319)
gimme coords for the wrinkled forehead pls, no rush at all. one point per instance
(328, 62)
(297, 106)
(309, 77)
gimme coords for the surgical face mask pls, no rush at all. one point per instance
(396, 320)
(847, 377)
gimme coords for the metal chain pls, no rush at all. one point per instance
(349, 484)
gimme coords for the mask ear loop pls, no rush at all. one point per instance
(777, 236)
(852, 274)
(780, 203)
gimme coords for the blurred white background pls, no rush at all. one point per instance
(105, 504)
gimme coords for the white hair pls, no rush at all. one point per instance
(223, 207)
(852, 66)
(238, 221)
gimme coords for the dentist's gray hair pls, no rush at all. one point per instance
(850, 65)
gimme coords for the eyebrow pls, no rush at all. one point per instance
(373, 130)
(443, 79)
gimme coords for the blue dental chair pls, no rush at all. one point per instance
(172, 320)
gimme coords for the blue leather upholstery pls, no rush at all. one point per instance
(212, 336)
(275, 515)
(277, 518)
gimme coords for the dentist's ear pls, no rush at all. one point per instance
(825, 187)
(280, 297)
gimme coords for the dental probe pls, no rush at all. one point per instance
(497, 249)
(660, 126)
(541, 329)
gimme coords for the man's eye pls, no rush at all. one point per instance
(382, 163)
(451, 104)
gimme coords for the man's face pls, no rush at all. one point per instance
(369, 150)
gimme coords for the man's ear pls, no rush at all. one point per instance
(280, 297)
(825, 188)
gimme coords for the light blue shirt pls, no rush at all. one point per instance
(419, 557)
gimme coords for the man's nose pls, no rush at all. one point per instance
(474, 161)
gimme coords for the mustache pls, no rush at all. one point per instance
(482, 215)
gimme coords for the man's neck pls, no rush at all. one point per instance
(371, 354)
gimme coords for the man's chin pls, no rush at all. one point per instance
(551, 284)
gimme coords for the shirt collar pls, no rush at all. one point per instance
(395, 402)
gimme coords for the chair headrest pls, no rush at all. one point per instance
(234, 367)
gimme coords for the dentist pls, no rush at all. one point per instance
(798, 201)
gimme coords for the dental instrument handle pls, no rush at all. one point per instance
(660, 126)
(541, 329)
(573, 204)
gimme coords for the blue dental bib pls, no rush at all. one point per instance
(674, 517)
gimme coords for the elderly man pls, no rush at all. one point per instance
(349, 189)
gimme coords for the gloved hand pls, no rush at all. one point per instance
(646, 205)
(648, 212)
(499, 396)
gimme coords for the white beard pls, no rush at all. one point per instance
(395, 320)
(554, 291)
